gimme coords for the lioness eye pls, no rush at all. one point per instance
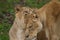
(35, 16)
(26, 12)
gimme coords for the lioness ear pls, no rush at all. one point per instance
(18, 8)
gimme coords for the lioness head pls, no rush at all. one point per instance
(31, 20)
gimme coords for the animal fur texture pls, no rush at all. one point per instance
(50, 15)
(29, 22)
(26, 25)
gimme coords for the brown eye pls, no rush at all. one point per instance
(35, 16)
(26, 12)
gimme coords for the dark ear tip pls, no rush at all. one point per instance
(17, 9)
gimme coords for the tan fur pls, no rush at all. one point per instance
(50, 14)
(26, 25)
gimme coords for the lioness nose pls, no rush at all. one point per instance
(27, 36)
(36, 16)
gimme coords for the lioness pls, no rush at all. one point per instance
(47, 17)
(50, 17)
(26, 25)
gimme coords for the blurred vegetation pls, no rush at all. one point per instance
(7, 14)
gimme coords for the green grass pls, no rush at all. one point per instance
(6, 20)
(4, 29)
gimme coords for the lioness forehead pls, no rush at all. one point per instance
(28, 13)
(24, 9)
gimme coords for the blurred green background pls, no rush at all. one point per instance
(7, 14)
